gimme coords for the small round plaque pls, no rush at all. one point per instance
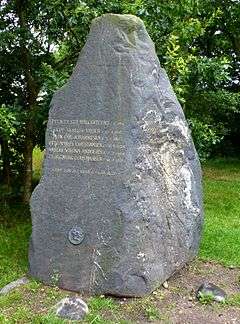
(76, 235)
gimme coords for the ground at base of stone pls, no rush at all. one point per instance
(172, 305)
(179, 303)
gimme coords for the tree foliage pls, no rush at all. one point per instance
(197, 41)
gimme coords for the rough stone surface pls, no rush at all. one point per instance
(14, 284)
(119, 206)
(73, 308)
(217, 293)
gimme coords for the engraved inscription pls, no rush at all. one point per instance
(90, 141)
(98, 144)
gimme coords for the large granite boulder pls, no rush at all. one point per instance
(119, 206)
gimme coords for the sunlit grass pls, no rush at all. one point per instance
(221, 238)
(37, 163)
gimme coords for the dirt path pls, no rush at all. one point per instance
(178, 304)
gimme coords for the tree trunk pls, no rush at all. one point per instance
(27, 179)
(6, 173)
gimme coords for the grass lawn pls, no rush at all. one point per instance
(221, 237)
(31, 304)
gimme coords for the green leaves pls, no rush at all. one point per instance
(205, 137)
(214, 119)
(8, 122)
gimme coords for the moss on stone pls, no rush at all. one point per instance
(129, 23)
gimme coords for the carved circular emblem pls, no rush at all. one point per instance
(76, 235)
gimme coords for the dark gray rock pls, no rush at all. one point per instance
(72, 308)
(209, 289)
(14, 284)
(119, 206)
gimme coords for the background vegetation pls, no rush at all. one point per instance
(197, 42)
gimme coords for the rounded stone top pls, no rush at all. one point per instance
(123, 21)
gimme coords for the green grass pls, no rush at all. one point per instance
(234, 300)
(37, 163)
(15, 229)
(221, 237)
(32, 303)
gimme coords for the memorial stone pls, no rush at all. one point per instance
(119, 206)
